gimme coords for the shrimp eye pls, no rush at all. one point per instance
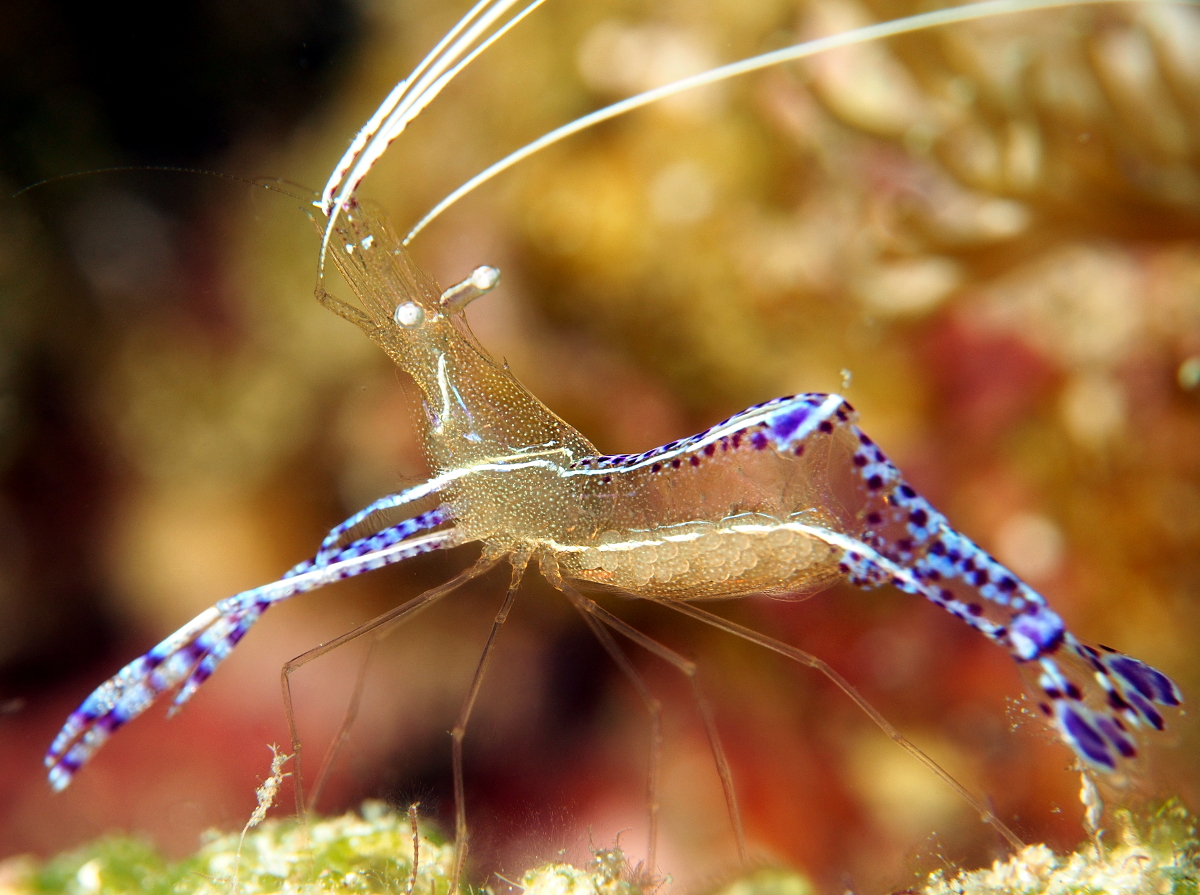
(409, 314)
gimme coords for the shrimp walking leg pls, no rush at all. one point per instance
(382, 626)
(464, 716)
(653, 709)
(811, 661)
(343, 734)
(591, 609)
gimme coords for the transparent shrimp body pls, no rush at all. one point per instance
(684, 521)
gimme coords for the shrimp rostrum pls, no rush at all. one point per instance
(784, 498)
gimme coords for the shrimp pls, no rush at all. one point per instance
(782, 499)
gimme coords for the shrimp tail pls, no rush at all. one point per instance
(1095, 697)
(188, 657)
(1098, 699)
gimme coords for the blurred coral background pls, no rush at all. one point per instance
(986, 236)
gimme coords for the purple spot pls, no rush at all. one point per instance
(874, 519)
(1150, 682)
(1168, 693)
(907, 491)
(1035, 633)
(657, 467)
(710, 449)
(1135, 673)
(825, 426)
(1085, 739)
(862, 437)
(737, 439)
(799, 451)
(784, 426)
(1146, 710)
(675, 463)
(937, 548)
(860, 460)
(1114, 736)
(874, 483)
(1007, 584)
(974, 609)
(607, 480)
(918, 518)
(694, 460)
(111, 721)
(759, 439)
(1073, 691)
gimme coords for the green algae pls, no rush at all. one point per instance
(356, 854)
(372, 852)
(1156, 855)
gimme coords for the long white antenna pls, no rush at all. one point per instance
(967, 13)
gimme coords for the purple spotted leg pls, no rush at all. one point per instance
(192, 653)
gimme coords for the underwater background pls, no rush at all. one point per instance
(987, 237)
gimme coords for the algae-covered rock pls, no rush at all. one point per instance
(607, 874)
(357, 853)
(372, 852)
(1159, 855)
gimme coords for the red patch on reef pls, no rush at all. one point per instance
(985, 381)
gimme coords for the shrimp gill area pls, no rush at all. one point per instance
(987, 237)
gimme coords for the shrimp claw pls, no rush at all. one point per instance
(192, 653)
